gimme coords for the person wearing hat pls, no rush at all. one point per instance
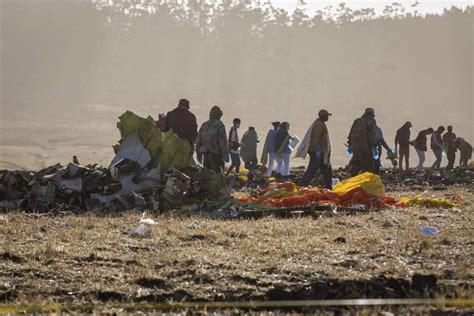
(448, 147)
(402, 144)
(361, 141)
(211, 143)
(182, 122)
(317, 144)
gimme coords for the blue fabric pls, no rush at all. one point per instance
(378, 133)
(281, 133)
(271, 142)
(286, 149)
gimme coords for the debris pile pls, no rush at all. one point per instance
(143, 175)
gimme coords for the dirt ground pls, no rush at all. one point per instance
(70, 259)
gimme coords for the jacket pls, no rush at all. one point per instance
(448, 139)
(420, 141)
(212, 138)
(233, 140)
(282, 140)
(403, 137)
(465, 148)
(183, 123)
(268, 147)
(362, 133)
(436, 141)
(248, 150)
(319, 137)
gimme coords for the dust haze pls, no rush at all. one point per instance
(70, 68)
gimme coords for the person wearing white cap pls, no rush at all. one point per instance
(317, 144)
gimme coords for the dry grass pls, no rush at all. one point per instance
(91, 258)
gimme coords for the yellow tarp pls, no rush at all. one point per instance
(427, 202)
(369, 182)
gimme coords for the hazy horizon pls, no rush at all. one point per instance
(64, 82)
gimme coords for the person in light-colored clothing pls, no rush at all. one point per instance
(234, 145)
(421, 146)
(283, 149)
(269, 152)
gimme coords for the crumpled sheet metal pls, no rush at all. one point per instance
(132, 148)
(165, 149)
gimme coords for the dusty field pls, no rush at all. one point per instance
(93, 258)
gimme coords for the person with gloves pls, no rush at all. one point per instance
(361, 141)
(377, 150)
(211, 143)
(316, 143)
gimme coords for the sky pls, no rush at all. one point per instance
(424, 6)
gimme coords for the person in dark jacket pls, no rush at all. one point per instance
(402, 144)
(248, 150)
(211, 143)
(466, 150)
(361, 140)
(448, 147)
(421, 146)
(182, 122)
(437, 147)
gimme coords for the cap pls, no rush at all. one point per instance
(184, 102)
(324, 113)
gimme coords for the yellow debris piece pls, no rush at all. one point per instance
(428, 202)
(369, 182)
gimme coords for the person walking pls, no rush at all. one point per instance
(182, 122)
(211, 143)
(466, 151)
(402, 145)
(283, 149)
(317, 145)
(234, 145)
(269, 152)
(448, 147)
(437, 147)
(421, 147)
(248, 151)
(361, 140)
(377, 149)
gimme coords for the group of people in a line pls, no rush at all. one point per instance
(448, 143)
(214, 148)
